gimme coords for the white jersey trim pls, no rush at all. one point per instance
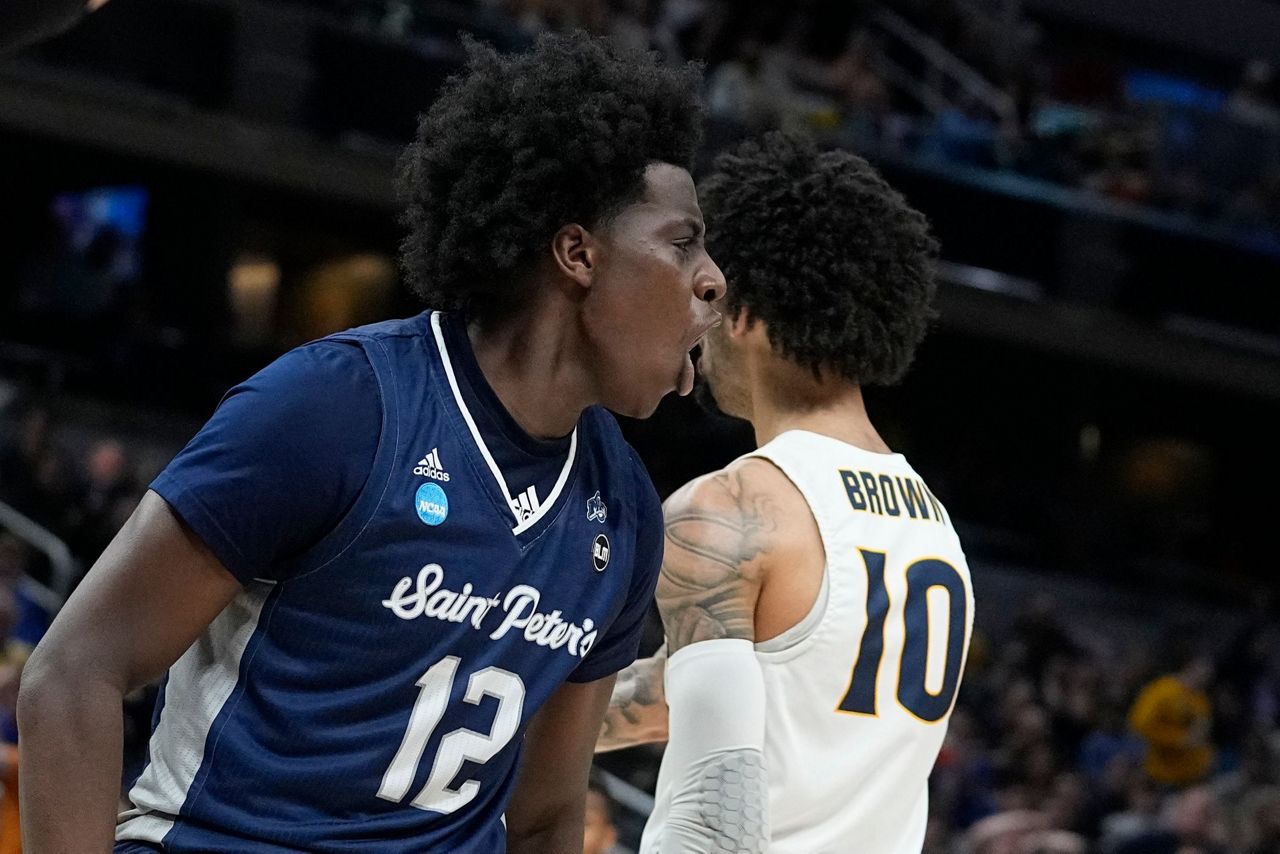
(774, 647)
(200, 684)
(521, 525)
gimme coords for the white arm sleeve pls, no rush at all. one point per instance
(720, 799)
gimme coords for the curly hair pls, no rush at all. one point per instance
(818, 246)
(517, 146)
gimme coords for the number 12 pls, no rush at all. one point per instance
(457, 746)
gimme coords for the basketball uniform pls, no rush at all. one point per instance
(859, 692)
(371, 692)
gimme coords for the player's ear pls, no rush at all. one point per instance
(575, 252)
(740, 323)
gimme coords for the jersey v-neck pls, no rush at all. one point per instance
(530, 474)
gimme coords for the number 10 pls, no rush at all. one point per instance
(913, 694)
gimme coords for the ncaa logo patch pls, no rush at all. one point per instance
(431, 503)
(600, 552)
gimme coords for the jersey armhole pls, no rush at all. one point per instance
(787, 644)
(348, 530)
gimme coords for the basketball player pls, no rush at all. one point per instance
(816, 600)
(25, 22)
(391, 580)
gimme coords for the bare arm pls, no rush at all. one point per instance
(548, 806)
(722, 536)
(637, 712)
(146, 600)
(719, 532)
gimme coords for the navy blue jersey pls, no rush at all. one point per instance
(370, 687)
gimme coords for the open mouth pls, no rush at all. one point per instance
(688, 371)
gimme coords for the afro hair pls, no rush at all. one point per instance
(818, 246)
(517, 146)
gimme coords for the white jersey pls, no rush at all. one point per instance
(859, 692)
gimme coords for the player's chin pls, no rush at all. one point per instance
(644, 394)
(642, 405)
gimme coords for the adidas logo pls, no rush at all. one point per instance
(526, 504)
(429, 466)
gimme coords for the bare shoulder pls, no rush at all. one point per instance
(750, 478)
(723, 533)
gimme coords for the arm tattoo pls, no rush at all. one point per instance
(712, 568)
(637, 712)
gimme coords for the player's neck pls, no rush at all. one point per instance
(788, 397)
(535, 365)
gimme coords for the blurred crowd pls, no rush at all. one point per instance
(988, 94)
(1209, 149)
(1067, 742)
(80, 492)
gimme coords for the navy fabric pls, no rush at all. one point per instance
(282, 460)
(419, 569)
(524, 460)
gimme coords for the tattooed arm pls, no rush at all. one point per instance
(637, 711)
(721, 534)
(716, 527)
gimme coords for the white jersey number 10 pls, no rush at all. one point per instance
(913, 692)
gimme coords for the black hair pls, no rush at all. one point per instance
(821, 249)
(518, 146)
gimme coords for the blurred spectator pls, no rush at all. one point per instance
(1056, 842)
(1121, 168)
(1173, 716)
(855, 80)
(1254, 101)
(1005, 833)
(966, 134)
(1109, 744)
(1140, 818)
(1192, 825)
(629, 24)
(1260, 831)
(107, 484)
(30, 619)
(600, 833)
(677, 26)
(32, 471)
(737, 91)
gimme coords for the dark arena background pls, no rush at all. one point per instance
(188, 188)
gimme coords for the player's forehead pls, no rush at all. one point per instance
(669, 200)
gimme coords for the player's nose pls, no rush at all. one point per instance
(710, 285)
